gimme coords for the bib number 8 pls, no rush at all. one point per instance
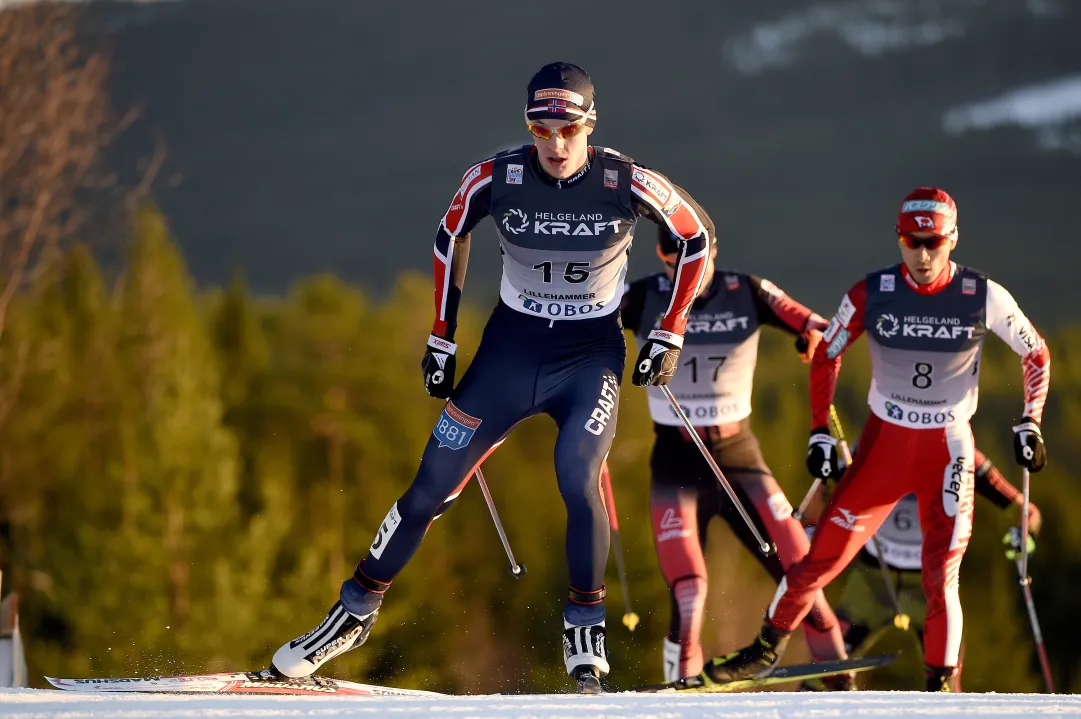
(922, 378)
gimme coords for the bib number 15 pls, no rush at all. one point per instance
(575, 273)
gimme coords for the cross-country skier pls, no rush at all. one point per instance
(554, 344)
(865, 608)
(713, 385)
(926, 321)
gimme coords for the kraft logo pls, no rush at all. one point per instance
(848, 520)
(515, 221)
(887, 325)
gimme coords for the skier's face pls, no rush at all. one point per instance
(926, 255)
(560, 156)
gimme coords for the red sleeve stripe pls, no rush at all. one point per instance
(687, 283)
(442, 271)
(1037, 373)
(685, 222)
(479, 176)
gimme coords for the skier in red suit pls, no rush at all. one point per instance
(925, 320)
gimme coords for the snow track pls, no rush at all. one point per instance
(48, 704)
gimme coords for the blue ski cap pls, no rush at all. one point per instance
(561, 91)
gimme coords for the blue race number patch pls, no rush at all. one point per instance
(455, 428)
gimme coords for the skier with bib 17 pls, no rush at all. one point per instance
(926, 320)
(565, 213)
(713, 386)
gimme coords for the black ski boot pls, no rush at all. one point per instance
(755, 660)
(940, 679)
(588, 680)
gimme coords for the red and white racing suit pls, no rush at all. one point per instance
(925, 342)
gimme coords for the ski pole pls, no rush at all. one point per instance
(1026, 587)
(1025, 579)
(763, 546)
(516, 570)
(630, 619)
(901, 620)
(800, 513)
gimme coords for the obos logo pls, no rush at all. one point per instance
(515, 221)
(894, 412)
(887, 325)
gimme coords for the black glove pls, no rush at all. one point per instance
(1028, 445)
(822, 455)
(438, 367)
(657, 361)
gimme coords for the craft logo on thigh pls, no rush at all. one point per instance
(386, 531)
(606, 406)
(455, 428)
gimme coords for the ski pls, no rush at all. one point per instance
(261, 682)
(266, 682)
(780, 675)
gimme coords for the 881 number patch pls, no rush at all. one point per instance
(454, 428)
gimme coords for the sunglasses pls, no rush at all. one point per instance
(547, 133)
(931, 243)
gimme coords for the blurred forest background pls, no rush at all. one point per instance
(199, 437)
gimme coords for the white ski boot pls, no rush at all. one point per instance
(338, 633)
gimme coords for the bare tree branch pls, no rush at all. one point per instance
(55, 121)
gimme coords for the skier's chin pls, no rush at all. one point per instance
(557, 167)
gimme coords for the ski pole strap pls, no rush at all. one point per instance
(372, 585)
(589, 598)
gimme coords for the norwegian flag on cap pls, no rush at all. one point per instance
(561, 91)
(927, 209)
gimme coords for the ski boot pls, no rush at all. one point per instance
(585, 653)
(346, 626)
(755, 660)
(940, 679)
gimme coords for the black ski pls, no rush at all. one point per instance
(780, 675)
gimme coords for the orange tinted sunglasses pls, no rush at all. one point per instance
(547, 133)
(931, 243)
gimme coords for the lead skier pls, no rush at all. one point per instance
(926, 320)
(565, 213)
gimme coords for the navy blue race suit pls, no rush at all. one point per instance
(554, 344)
